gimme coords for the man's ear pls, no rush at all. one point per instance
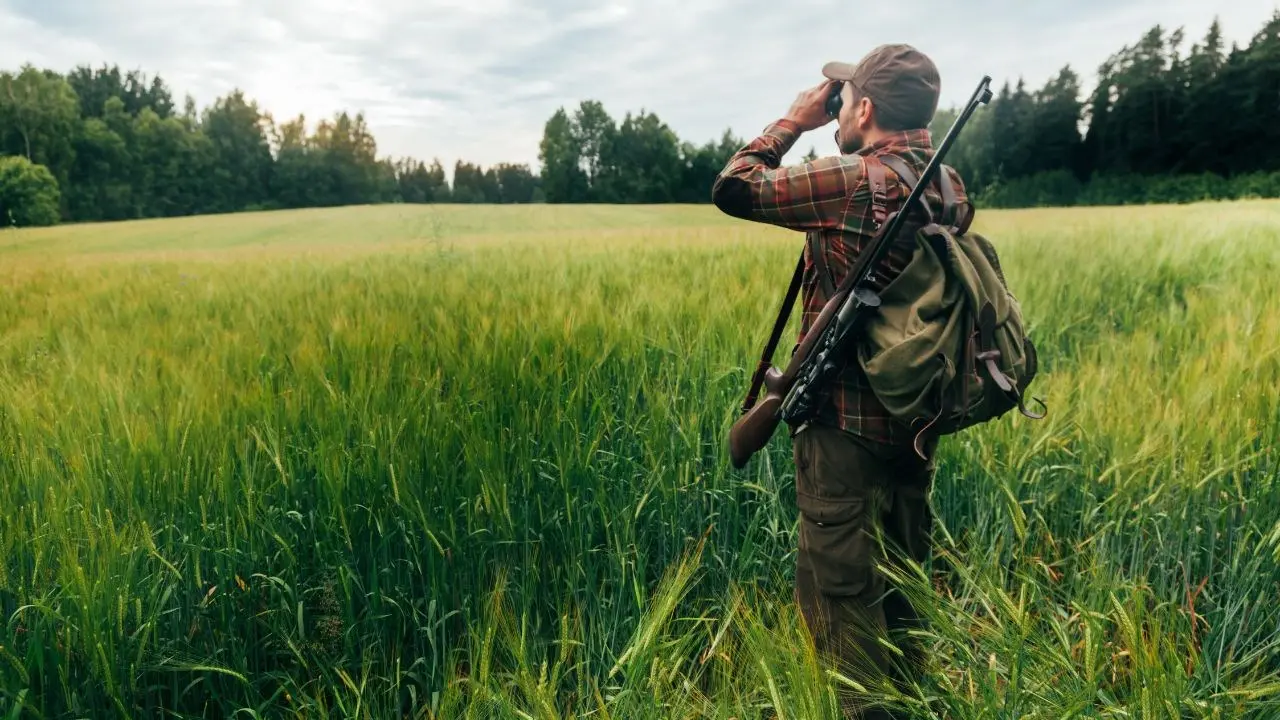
(866, 113)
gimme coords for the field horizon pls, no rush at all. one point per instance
(442, 461)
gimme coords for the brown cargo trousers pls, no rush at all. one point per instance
(857, 499)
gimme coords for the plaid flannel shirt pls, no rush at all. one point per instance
(830, 197)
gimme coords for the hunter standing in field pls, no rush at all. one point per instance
(857, 472)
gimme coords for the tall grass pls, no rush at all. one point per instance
(469, 462)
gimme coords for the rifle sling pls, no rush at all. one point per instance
(778, 326)
(820, 265)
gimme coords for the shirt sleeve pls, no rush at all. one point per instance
(809, 196)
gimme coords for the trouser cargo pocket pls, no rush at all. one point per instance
(836, 544)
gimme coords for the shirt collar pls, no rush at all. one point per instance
(916, 139)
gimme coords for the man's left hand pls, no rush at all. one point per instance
(809, 111)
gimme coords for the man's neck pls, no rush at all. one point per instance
(874, 136)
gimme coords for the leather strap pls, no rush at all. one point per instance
(778, 326)
(879, 198)
(965, 219)
(904, 171)
(820, 265)
(948, 190)
(989, 352)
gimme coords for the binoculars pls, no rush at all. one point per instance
(834, 101)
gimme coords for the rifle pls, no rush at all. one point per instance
(792, 394)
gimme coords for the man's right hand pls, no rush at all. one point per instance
(809, 111)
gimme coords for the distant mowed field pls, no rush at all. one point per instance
(437, 461)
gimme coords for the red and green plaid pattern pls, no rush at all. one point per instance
(831, 197)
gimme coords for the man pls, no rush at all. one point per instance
(859, 480)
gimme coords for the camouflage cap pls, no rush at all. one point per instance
(901, 81)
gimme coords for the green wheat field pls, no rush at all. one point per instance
(469, 462)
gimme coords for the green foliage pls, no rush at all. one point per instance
(241, 168)
(596, 138)
(420, 184)
(457, 462)
(38, 118)
(587, 157)
(1157, 123)
(560, 153)
(503, 183)
(95, 86)
(28, 194)
(516, 183)
(642, 162)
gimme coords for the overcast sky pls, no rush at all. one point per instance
(477, 79)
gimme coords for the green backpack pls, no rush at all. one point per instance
(948, 347)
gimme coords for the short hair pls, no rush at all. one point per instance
(890, 119)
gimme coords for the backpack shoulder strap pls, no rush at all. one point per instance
(879, 198)
(909, 178)
(902, 169)
(950, 201)
(948, 191)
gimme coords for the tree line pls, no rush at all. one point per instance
(1161, 125)
(588, 157)
(102, 144)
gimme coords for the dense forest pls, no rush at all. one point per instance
(1163, 124)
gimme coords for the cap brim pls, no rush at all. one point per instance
(839, 71)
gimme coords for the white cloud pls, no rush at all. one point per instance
(476, 79)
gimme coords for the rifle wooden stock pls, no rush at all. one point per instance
(760, 420)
